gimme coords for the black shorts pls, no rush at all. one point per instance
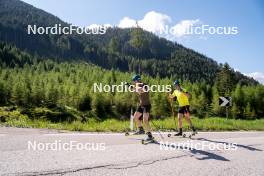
(184, 109)
(144, 109)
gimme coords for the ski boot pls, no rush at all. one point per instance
(140, 131)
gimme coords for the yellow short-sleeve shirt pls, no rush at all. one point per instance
(181, 97)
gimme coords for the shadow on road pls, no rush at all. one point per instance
(205, 154)
(248, 147)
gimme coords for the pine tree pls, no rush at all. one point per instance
(138, 40)
(85, 103)
(3, 93)
(225, 81)
(248, 112)
(253, 114)
(38, 92)
(215, 101)
(156, 104)
(234, 111)
(98, 106)
(18, 94)
(113, 46)
(52, 96)
(238, 99)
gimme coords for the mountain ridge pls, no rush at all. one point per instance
(132, 50)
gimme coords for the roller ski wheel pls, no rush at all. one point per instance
(147, 141)
(194, 133)
(185, 136)
(189, 135)
(179, 134)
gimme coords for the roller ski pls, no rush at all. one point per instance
(139, 132)
(176, 134)
(133, 133)
(149, 139)
(184, 135)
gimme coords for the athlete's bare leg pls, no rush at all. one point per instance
(146, 122)
(188, 119)
(147, 126)
(180, 115)
(137, 116)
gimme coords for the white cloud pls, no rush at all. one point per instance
(236, 70)
(127, 22)
(152, 22)
(257, 76)
(95, 26)
(160, 24)
(181, 28)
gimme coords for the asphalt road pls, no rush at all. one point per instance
(208, 153)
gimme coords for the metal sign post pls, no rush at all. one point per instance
(226, 112)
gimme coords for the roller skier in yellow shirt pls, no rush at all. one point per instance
(182, 96)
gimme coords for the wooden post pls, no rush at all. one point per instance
(131, 120)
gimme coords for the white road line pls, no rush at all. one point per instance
(155, 133)
(84, 134)
(121, 134)
(91, 134)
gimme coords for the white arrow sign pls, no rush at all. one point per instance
(224, 101)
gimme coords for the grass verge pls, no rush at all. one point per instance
(15, 119)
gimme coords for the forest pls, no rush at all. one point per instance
(63, 91)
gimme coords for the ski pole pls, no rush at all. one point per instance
(157, 129)
(172, 111)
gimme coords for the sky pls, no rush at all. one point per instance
(243, 49)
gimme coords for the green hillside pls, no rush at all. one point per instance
(128, 50)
